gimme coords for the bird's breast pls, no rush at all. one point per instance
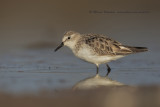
(90, 56)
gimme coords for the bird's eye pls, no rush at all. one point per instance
(69, 37)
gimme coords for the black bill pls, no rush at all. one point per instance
(61, 45)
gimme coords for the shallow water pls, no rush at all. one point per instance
(36, 70)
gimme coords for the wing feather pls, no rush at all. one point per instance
(103, 45)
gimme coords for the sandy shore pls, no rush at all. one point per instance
(113, 96)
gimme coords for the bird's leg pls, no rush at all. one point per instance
(97, 69)
(109, 69)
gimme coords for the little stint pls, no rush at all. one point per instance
(96, 48)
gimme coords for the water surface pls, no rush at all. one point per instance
(36, 70)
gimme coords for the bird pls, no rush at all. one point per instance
(97, 48)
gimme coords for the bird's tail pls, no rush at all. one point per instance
(137, 49)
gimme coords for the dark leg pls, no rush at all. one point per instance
(109, 69)
(97, 69)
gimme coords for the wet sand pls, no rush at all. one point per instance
(37, 78)
(35, 70)
(40, 77)
(113, 96)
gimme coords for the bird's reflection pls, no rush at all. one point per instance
(95, 82)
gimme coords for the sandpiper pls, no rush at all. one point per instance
(97, 48)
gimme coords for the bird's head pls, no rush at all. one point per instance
(70, 38)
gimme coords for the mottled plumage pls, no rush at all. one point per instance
(97, 49)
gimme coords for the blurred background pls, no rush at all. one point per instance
(31, 29)
(42, 23)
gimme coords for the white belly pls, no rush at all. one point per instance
(89, 56)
